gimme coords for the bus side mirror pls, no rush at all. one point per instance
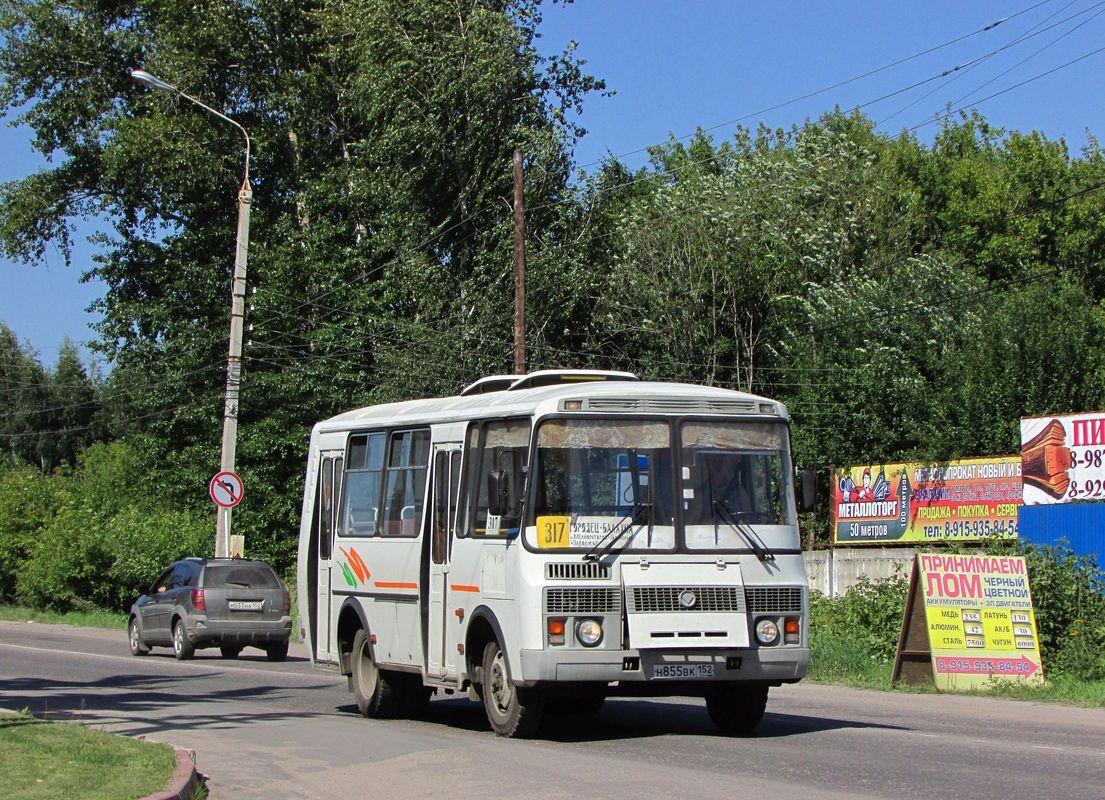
(497, 493)
(809, 490)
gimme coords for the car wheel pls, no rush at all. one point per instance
(377, 691)
(230, 650)
(277, 652)
(137, 647)
(736, 709)
(513, 711)
(182, 648)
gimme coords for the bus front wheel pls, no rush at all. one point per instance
(513, 711)
(377, 691)
(736, 709)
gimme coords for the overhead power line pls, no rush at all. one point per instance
(984, 29)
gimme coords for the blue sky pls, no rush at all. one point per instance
(678, 65)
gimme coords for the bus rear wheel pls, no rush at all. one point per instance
(513, 711)
(736, 709)
(377, 691)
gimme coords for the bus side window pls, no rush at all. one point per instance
(504, 447)
(324, 515)
(405, 482)
(360, 495)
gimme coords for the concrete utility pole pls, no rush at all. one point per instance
(519, 270)
(237, 312)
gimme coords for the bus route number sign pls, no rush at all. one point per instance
(226, 489)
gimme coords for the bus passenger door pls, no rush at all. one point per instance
(446, 483)
(326, 516)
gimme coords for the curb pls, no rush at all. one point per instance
(185, 779)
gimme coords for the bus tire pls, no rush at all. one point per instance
(377, 691)
(736, 709)
(513, 711)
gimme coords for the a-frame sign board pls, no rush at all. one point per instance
(913, 659)
(968, 621)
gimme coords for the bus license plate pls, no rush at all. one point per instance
(683, 671)
(245, 605)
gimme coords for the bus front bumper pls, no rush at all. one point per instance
(766, 664)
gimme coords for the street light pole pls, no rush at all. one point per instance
(237, 312)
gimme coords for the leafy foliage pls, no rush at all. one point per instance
(905, 299)
(93, 539)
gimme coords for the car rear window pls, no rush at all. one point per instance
(253, 576)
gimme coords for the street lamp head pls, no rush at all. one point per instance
(153, 81)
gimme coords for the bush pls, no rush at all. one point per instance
(853, 637)
(100, 542)
(28, 502)
(145, 542)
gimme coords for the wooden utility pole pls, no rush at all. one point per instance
(519, 271)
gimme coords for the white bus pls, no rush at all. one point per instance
(557, 537)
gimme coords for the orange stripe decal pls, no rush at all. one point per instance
(394, 585)
(360, 562)
(462, 588)
(357, 565)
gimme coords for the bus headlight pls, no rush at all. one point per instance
(589, 632)
(767, 632)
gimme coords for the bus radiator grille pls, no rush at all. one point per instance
(783, 599)
(646, 599)
(577, 571)
(584, 600)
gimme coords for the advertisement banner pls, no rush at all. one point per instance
(981, 625)
(965, 500)
(1064, 458)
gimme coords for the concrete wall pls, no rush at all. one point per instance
(834, 572)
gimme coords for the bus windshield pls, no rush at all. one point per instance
(604, 485)
(604, 479)
(734, 474)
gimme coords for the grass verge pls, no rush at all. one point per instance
(84, 619)
(45, 760)
(843, 663)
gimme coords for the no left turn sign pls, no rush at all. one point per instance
(226, 489)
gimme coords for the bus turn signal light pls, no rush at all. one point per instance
(791, 630)
(556, 630)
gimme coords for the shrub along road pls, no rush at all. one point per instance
(265, 730)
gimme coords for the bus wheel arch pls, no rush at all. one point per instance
(482, 629)
(351, 619)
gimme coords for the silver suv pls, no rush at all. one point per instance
(213, 602)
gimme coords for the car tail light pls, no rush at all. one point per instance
(287, 603)
(198, 602)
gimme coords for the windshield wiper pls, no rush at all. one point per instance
(754, 541)
(607, 542)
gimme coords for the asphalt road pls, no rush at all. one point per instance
(264, 730)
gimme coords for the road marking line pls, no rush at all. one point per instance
(162, 662)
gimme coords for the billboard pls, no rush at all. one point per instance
(965, 500)
(1064, 458)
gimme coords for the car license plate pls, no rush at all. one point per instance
(245, 605)
(683, 671)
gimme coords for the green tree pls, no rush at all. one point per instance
(380, 242)
(24, 398)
